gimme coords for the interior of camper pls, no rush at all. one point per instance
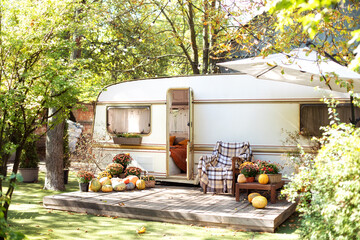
(178, 126)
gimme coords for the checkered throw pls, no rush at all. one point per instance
(215, 171)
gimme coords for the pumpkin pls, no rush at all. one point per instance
(140, 184)
(133, 179)
(241, 178)
(263, 179)
(259, 202)
(105, 181)
(126, 180)
(119, 186)
(107, 188)
(130, 186)
(95, 185)
(252, 195)
(115, 181)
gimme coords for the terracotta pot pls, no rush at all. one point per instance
(250, 179)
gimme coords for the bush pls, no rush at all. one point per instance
(328, 187)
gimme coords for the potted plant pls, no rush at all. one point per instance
(249, 169)
(123, 158)
(149, 181)
(127, 139)
(84, 177)
(115, 169)
(133, 171)
(270, 169)
(29, 163)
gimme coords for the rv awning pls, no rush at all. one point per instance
(301, 66)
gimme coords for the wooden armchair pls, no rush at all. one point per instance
(217, 173)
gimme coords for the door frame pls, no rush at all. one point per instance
(190, 145)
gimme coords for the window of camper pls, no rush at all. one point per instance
(128, 119)
(313, 116)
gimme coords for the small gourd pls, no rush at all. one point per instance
(130, 186)
(107, 188)
(263, 179)
(140, 184)
(252, 195)
(259, 202)
(241, 178)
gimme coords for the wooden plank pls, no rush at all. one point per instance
(177, 205)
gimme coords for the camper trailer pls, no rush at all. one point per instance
(181, 118)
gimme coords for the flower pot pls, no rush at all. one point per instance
(66, 176)
(127, 141)
(250, 179)
(29, 175)
(84, 187)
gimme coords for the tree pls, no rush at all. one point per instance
(333, 23)
(141, 39)
(35, 73)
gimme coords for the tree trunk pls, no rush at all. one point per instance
(206, 47)
(54, 179)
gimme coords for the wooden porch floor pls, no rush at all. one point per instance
(185, 205)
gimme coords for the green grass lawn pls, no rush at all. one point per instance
(28, 216)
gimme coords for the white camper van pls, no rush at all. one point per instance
(181, 118)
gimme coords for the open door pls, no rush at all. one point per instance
(190, 145)
(179, 133)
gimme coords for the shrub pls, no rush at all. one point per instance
(328, 187)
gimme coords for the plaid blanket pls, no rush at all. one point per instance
(215, 171)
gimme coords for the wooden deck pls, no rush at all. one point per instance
(186, 205)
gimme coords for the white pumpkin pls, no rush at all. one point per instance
(241, 178)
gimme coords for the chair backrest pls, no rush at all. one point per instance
(225, 151)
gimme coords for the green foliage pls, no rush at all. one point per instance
(5, 231)
(29, 157)
(128, 135)
(331, 24)
(328, 187)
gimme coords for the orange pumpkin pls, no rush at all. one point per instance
(252, 195)
(263, 179)
(259, 202)
(133, 179)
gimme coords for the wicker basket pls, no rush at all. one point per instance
(273, 178)
(150, 184)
